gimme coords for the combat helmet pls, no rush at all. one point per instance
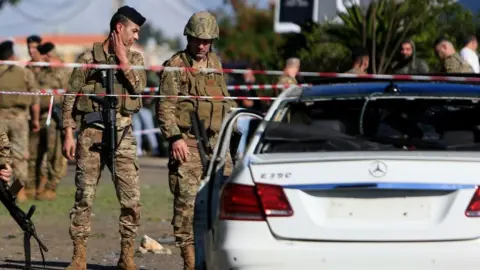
(202, 25)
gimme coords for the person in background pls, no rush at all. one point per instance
(451, 61)
(143, 120)
(292, 67)
(14, 112)
(361, 60)
(33, 42)
(409, 63)
(469, 52)
(47, 164)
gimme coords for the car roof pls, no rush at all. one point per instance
(408, 88)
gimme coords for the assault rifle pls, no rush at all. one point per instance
(204, 148)
(8, 195)
(107, 117)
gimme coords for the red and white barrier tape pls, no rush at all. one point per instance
(243, 71)
(230, 87)
(153, 96)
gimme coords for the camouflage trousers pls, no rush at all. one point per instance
(16, 123)
(184, 181)
(46, 158)
(89, 167)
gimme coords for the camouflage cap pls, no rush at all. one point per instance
(202, 25)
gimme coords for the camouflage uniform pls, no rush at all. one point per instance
(4, 146)
(174, 120)
(14, 112)
(285, 79)
(89, 162)
(456, 64)
(356, 70)
(47, 164)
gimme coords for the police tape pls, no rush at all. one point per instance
(230, 87)
(158, 68)
(140, 96)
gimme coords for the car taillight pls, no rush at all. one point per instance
(242, 202)
(473, 209)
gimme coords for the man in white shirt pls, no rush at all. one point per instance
(469, 52)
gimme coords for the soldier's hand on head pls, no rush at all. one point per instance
(180, 150)
(6, 173)
(119, 48)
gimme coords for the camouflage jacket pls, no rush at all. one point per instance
(28, 81)
(176, 83)
(137, 79)
(356, 70)
(4, 146)
(52, 78)
(285, 79)
(456, 64)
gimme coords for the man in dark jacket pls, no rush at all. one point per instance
(408, 62)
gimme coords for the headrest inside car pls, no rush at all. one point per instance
(330, 124)
(458, 137)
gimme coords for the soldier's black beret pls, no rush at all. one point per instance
(34, 38)
(45, 48)
(6, 45)
(132, 14)
(6, 49)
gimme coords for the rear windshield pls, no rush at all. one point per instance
(378, 125)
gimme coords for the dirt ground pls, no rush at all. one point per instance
(52, 222)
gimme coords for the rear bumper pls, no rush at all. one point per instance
(250, 245)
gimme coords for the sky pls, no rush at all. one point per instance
(93, 16)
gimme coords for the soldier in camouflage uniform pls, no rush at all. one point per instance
(14, 112)
(291, 70)
(5, 160)
(47, 164)
(124, 29)
(184, 165)
(451, 61)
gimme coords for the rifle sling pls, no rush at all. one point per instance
(124, 133)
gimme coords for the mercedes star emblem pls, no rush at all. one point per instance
(378, 169)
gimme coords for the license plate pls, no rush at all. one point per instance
(406, 208)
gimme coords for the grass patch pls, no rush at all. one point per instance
(156, 203)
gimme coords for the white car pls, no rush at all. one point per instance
(370, 175)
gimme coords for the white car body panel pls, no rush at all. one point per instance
(343, 228)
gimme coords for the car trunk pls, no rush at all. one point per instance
(345, 198)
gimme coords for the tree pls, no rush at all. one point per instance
(381, 27)
(248, 36)
(11, 2)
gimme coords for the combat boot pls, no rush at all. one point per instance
(79, 259)
(41, 185)
(30, 193)
(188, 255)
(46, 195)
(22, 196)
(126, 261)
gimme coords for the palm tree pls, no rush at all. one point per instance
(381, 27)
